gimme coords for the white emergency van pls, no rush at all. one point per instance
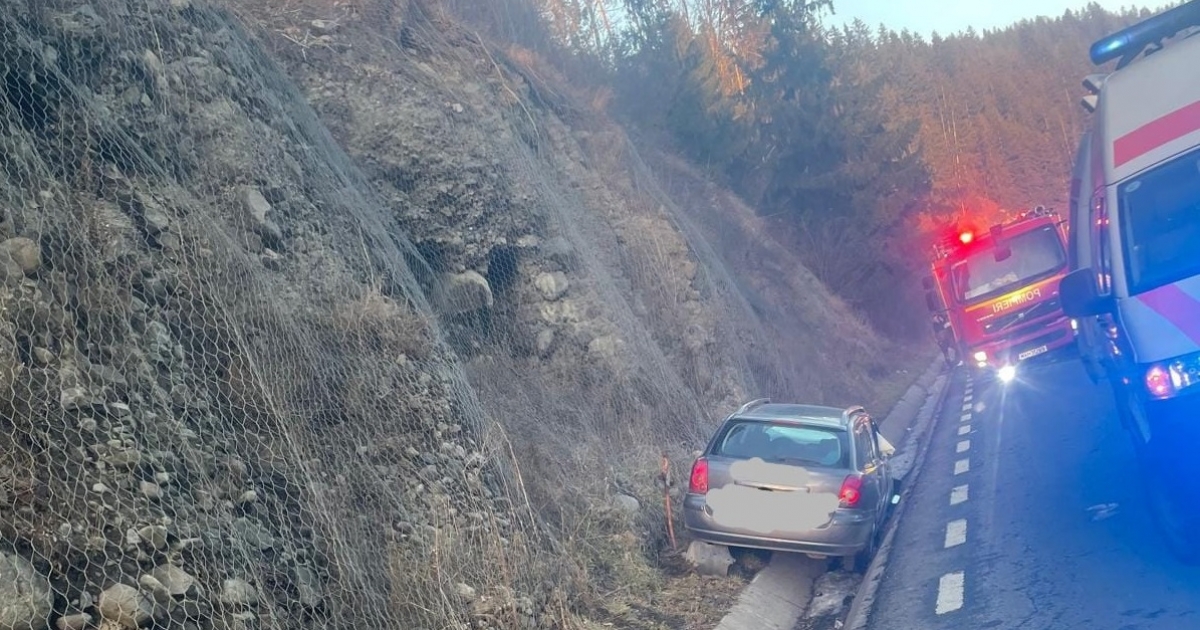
(1138, 277)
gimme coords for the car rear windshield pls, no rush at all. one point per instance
(1160, 224)
(1034, 255)
(784, 443)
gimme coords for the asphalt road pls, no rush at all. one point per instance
(1028, 513)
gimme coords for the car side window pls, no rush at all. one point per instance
(864, 443)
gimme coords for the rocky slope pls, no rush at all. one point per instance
(325, 314)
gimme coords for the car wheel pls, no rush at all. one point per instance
(861, 561)
(1174, 513)
(1178, 528)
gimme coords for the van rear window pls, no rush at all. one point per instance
(1160, 224)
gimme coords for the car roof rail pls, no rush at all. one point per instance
(753, 404)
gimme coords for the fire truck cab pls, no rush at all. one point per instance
(1139, 275)
(999, 292)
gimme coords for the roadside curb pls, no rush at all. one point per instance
(860, 609)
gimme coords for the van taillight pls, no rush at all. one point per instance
(699, 481)
(851, 491)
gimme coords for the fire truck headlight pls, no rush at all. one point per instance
(1007, 373)
(981, 356)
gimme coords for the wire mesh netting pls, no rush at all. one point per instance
(409, 374)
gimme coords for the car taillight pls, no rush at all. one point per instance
(699, 481)
(1158, 381)
(851, 491)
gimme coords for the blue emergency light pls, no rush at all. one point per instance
(1132, 40)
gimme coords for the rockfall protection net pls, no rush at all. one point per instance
(377, 362)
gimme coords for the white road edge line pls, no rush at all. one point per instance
(950, 592)
(964, 429)
(963, 446)
(962, 466)
(956, 532)
(959, 494)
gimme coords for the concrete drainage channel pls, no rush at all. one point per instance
(794, 592)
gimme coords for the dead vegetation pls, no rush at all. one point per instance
(380, 323)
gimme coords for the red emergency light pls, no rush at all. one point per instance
(966, 237)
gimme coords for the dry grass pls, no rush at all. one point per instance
(379, 322)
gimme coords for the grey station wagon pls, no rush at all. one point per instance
(793, 478)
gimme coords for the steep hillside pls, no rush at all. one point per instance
(331, 315)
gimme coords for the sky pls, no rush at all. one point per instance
(950, 16)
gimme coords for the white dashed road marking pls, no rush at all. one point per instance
(950, 586)
(950, 593)
(956, 532)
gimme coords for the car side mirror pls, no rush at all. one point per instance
(1002, 253)
(1077, 291)
(927, 283)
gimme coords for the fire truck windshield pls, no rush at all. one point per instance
(1035, 254)
(1160, 216)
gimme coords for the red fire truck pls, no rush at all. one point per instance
(996, 292)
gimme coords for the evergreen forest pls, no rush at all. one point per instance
(859, 144)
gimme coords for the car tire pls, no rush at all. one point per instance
(1179, 530)
(861, 561)
(1178, 525)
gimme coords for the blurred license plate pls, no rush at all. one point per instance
(1031, 353)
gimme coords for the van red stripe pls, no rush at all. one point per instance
(1156, 133)
(1177, 307)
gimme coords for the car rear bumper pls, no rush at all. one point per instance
(846, 534)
